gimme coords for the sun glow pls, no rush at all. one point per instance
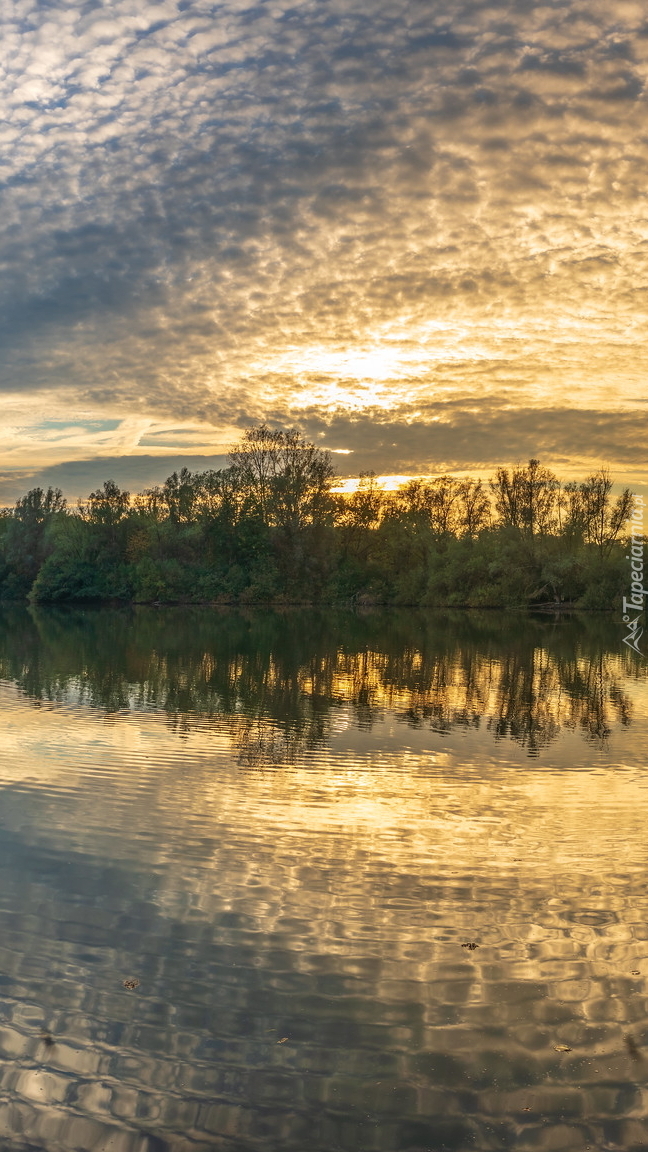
(350, 484)
(398, 352)
(384, 362)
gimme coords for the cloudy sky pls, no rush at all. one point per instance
(416, 229)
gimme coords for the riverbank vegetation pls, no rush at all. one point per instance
(271, 528)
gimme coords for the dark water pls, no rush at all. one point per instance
(288, 828)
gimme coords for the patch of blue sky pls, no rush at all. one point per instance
(172, 438)
(69, 425)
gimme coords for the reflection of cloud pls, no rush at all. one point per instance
(330, 903)
(213, 217)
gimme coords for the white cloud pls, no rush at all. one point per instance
(214, 213)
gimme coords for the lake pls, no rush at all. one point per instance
(301, 881)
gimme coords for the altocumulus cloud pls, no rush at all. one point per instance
(423, 216)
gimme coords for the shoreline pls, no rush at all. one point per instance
(552, 608)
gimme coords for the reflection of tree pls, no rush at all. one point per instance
(280, 682)
(528, 700)
(456, 695)
(538, 697)
(260, 743)
(596, 698)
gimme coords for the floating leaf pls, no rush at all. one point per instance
(131, 984)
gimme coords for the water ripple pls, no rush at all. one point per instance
(355, 913)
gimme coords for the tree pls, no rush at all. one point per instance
(26, 538)
(527, 499)
(180, 494)
(432, 504)
(107, 506)
(106, 511)
(475, 507)
(365, 507)
(592, 515)
(288, 477)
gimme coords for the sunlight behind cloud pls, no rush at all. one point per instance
(217, 216)
(362, 365)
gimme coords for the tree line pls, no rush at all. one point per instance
(271, 528)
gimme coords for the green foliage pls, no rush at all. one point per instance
(604, 581)
(269, 529)
(26, 538)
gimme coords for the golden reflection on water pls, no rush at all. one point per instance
(291, 867)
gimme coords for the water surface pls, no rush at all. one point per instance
(287, 827)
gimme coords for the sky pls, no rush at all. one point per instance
(416, 230)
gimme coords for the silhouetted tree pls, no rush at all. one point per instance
(527, 499)
(288, 477)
